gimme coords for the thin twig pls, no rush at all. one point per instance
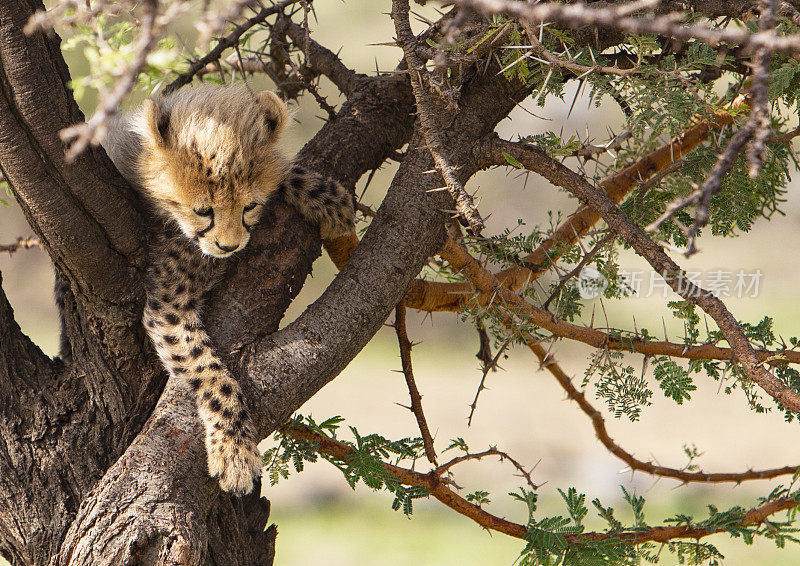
(22, 244)
(493, 451)
(226, 42)
(598, 423)
(587, 257)
(94, 130)
(482, 385)
(753, 136)
(213, 22)
(484, 354)
(703, 194)
(413, 391)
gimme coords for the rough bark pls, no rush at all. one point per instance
(94, 468)
(92, 471)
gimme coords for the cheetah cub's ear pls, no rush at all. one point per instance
(274, 113)
(156, 119)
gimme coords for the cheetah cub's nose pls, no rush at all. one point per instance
(232, 248)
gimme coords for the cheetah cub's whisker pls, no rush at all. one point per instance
(207, 159)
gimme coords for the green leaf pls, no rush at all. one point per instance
(512, 161)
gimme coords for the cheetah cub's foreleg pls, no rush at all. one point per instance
(177, 279)
(320, 200)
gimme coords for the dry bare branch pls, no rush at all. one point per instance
(427, 117)
(22, 244)
(618, 17)
(413, 392)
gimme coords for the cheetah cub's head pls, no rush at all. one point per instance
(210, 160)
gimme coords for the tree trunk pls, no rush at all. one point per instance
(102, 460)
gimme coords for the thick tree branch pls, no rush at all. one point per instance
(170, 513)
(87, 223)
(63, 426)
(406, 230)
(287, 367)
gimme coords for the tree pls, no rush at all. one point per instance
(99, 453)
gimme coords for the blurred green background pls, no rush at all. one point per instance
(322, 521)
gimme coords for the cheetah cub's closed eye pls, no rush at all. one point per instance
(207, 160)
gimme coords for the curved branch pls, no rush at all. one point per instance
(431, 481)
(649, 250)
(510, 304)
(405, 346)
(598, 423)
(438, 489)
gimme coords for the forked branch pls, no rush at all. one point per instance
(438, 488)
(435, 296)
(508, 306)
(674, 276)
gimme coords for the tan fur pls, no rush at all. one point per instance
(203, 157)
(212, 148)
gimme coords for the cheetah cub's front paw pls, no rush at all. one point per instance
(236, 461)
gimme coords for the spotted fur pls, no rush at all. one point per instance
(208, 159)
(323, 200)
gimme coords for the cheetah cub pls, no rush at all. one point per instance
(207, 159)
